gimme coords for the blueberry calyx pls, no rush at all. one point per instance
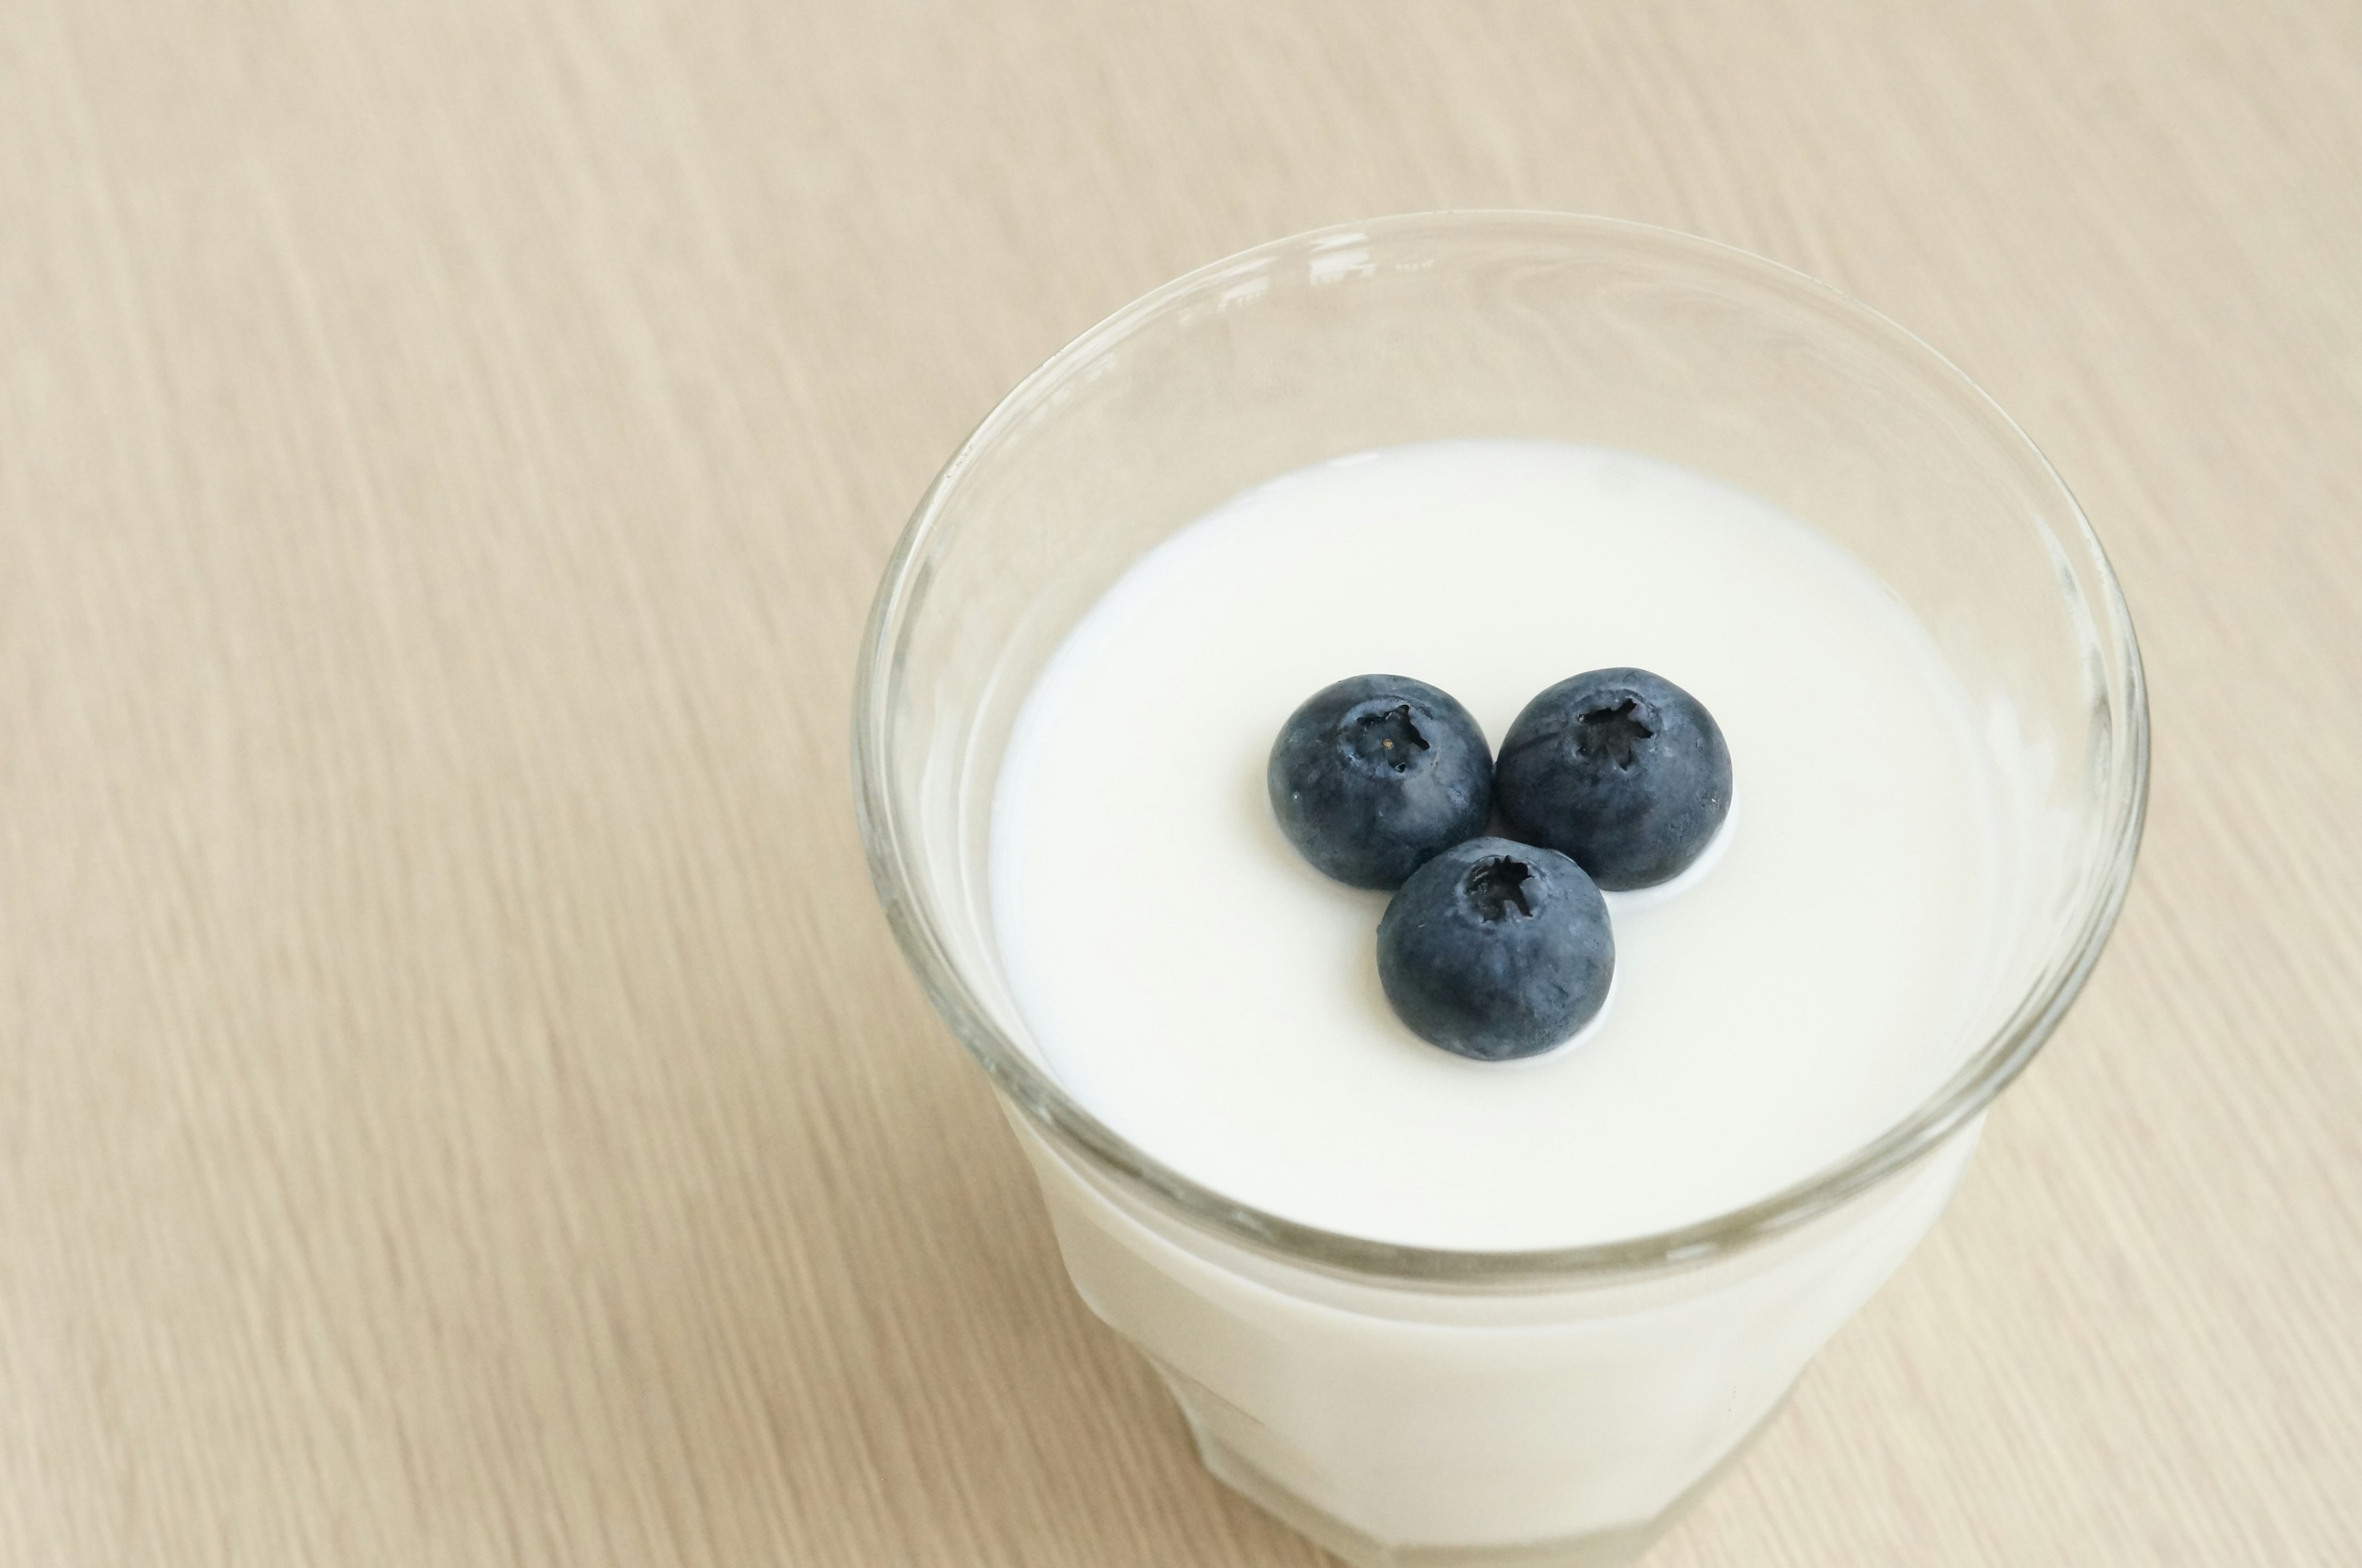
(1389, 735)
(1614, 731)
(1498, 886)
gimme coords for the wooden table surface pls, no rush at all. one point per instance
(459, 1102)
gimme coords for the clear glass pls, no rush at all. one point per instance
(1414, 1405)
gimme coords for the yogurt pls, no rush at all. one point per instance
(1215, 1000)
(1184, 974)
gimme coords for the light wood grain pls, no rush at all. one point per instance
(459, 1104)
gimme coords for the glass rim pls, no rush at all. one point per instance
(1072, 1128)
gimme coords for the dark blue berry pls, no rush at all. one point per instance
(1621, 769)
(1497, 950)
(1374, 775)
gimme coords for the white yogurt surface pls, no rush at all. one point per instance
(1215, 1000)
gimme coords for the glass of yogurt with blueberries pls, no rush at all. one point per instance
(1498, 793)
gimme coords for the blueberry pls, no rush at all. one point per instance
(1497, 950)
(1374, 775)
(1621, 769)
